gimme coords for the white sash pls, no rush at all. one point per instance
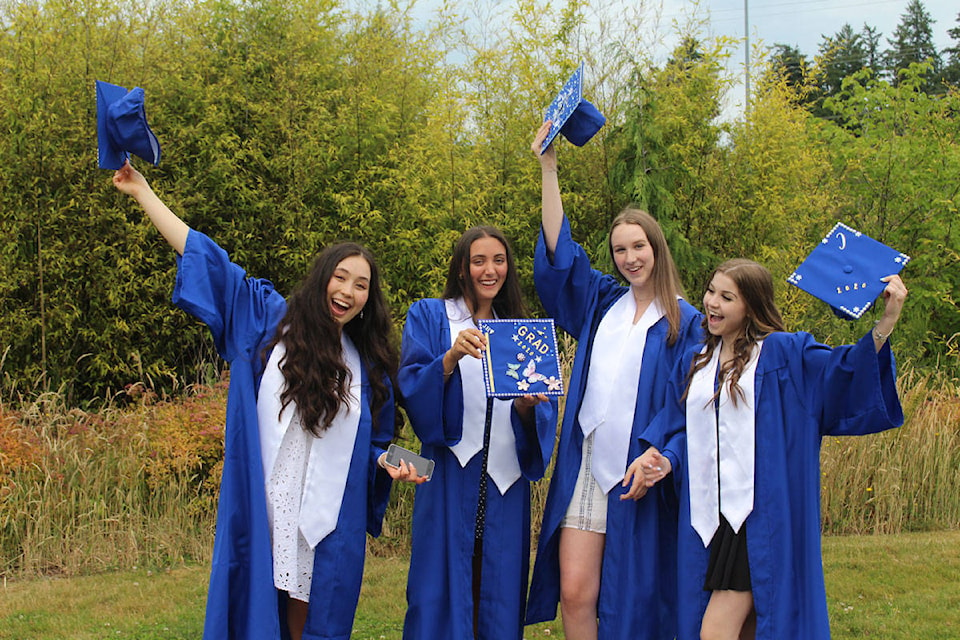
(329, 455)
(721, 452)
(502, 464)
(610, 399)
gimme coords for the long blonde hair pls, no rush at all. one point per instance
(665, 277)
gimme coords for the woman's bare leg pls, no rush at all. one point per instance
(296, 617)
(726, 614)
(581, 558)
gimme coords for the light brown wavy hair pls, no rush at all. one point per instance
(762, 318)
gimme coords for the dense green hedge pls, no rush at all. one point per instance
(287, 125)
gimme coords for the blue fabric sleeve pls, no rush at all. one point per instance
(535, 441)
(238, 310)
(380, 480)
(848, 390)
(566, 283)
(435, 406)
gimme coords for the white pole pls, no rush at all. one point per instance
(746, 54)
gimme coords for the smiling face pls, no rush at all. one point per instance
(725, 307)
(488, 269)
(348, 289)
(632, 254)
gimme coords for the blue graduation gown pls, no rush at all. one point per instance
(439, 587)
(242, 314)
(804, 390)
(636, 589)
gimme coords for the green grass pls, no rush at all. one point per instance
(891, 587)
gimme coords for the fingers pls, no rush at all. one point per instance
(531, 399)
(894, 295)
(405, 473)
(895, 287)
(637, 487)
(470, 342)
(540, 136)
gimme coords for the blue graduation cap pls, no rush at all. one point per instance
(571, 115)
(845, 269)
(521, 358)
(122, 127)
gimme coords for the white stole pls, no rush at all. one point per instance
(502, 464)
(721, 448)
(610, 398)
(329, 455)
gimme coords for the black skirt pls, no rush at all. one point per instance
(729, 568)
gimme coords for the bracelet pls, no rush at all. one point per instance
(879, 337)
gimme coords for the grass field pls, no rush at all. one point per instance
(890, 587)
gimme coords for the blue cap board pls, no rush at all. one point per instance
(571, 115)
(521, 358)
(122, 127)
(845, 269)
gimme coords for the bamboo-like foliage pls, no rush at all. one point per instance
(288, 125)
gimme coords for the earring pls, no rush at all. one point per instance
(361, 314)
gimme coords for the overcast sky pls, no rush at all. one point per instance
(801, 23)
(798, 23)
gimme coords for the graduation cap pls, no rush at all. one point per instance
(571, 115)
(521, 357)
(845, 269)
(122, 127)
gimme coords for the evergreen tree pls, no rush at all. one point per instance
(788, 62)
(913, 42)
(951, 70)
(841, 55)
(871, 45)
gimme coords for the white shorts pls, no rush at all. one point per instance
(587, 510)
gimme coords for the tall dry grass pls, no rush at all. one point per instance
(906, 479)
(83, 492)
(136, 485)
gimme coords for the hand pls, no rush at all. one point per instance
(405, 472)
(129, 181)
(469, 342)
(634, 481)
(894, 295)
(646, 470)
(548, 159)
(525, 404)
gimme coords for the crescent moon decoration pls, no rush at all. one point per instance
(843, 241)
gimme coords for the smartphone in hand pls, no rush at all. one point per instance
(396, 453)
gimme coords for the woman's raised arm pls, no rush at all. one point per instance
(171, 227)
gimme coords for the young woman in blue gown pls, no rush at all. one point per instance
(309, 412)
(459, 586)
(741, 434)
(606, 551)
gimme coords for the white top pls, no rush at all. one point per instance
(721, 448)
(610, 398)
(305, 476)
(502, 463)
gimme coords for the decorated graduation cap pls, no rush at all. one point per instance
(845, 271)
(122, 127)
(571, 115)
(521, 358)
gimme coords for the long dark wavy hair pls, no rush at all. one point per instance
(762, 318)
(508, 302)
(317, 378)
(665, 277)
